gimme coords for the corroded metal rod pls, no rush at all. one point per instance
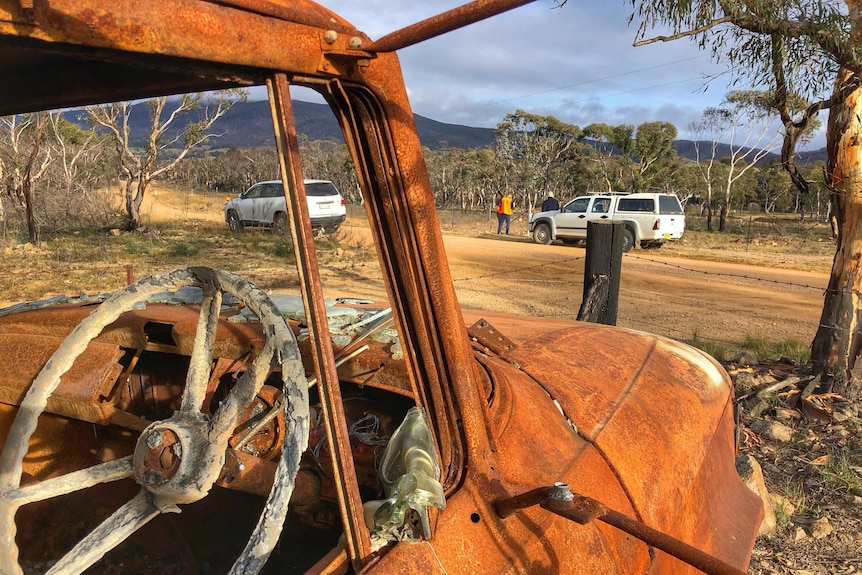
(560, 500)
(442, 23)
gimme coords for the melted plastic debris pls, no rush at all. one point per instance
(291, 307)
(388, 335)
(340, 340)
(409, 470)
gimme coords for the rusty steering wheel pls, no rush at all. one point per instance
(199, 440)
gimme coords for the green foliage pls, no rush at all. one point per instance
(742, 34)
(283, 248)
(713, 348)
(758, 345)
(765, 348)
(185, 248)
(794, 349)
(535, 154)
(136, 244)
(841, 472)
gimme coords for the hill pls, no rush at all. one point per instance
(249, 125)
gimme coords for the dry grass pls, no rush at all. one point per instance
(97, 262)
(775, 241)
(184, 228)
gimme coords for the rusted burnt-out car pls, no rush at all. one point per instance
(191, 423)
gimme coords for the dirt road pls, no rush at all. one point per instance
(676, 297)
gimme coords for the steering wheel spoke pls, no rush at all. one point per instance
(200, 364)
(72, 482)
(110, 533)
(241, 396)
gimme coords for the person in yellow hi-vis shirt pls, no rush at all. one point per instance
(504, 212)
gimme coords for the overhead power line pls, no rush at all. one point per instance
(583, 83)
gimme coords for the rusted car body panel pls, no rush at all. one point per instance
(570, 415)
(640, 423)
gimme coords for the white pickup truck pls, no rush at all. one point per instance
(650, 219)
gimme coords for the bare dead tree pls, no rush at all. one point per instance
(139, 167)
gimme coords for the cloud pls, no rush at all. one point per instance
(575, 62)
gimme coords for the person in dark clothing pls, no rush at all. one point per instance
(550, 203)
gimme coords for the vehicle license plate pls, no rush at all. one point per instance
(666, 236)
(324, 205)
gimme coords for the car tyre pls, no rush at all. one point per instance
(542, 234)
(279, 223)
(233, 222)
(628, 240)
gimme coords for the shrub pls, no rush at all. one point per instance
(185, 248)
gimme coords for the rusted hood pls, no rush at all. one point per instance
(660, 413)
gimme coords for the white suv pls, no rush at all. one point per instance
(649, 219)
(263, 205)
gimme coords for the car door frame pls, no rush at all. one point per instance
(572, 223)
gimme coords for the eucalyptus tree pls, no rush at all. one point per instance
(447, 174)
(772, 189)
(487, 177)
(139, 166)
(24, 159)
(750, 138)
(77, 172)
(532, 148)
(707, 140)
(812, 47)
(608, 142)
(465, 179)
(628, 158)
(680, 177)
(653, 153)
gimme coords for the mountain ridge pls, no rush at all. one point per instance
(249, 125)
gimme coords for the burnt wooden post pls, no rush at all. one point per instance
(602, 272)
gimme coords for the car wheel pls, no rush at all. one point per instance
(628, 240)
(542, 234)
(279, 223)
(233, 222)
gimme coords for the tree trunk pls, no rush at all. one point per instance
(32, 226)
(2, 217)
(27, 181)
(837, 342)
(134, 199)
(722, 217)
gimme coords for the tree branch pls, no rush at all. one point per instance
(686, 34)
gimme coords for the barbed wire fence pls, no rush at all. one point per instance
(647, 324)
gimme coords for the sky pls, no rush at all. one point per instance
(575, 63)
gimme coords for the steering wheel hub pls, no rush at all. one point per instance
(157, 457)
